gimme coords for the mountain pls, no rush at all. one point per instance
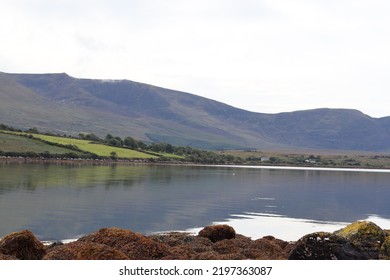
(66, 105)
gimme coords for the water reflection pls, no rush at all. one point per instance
(257, 225)
(59, 202)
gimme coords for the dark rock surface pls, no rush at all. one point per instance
(325, 246)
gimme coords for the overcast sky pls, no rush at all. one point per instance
(261, 55)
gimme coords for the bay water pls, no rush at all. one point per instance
(65, 201)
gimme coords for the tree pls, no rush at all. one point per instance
(33, 130)
(130, 142)
(108, 138)
(113, 155)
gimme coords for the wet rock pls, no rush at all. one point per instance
(218, 232)
(134, 245)
(84, 251)
(23, 245)
(324, 246)
(367, 236)
(385, 249)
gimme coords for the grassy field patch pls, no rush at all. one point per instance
(98, 149)
(21, 144)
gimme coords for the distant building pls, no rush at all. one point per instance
(264, 159)
(311, 161)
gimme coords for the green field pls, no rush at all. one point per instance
(87, 146)
(20, 144)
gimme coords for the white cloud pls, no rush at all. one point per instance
(265, 56)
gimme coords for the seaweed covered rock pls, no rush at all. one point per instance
(367, 236)
(84, 251)
(134, 245)
(218, 232)
(266, 248)
(183, 246)
(225, 247)
(7, 257)
(23, 245)
(325, 246)
(385, 249)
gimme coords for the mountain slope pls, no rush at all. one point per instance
(60, 103)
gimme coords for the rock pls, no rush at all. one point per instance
(385, 249)
(84, 251)
(212, 255)
(367, 236)
(324, 246)
(23, 245)
(265, 249)
(180, 252)
(226, 246)
(7, 257)
(218, 232)
(173, 238)
(134, 245)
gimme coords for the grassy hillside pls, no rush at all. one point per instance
(84, 145)
(20, 144)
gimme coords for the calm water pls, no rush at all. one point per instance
(62, 201)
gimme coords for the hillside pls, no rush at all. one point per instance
(63, 104)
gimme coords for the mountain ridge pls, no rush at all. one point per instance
(63, 104)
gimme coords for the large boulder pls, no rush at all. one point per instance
(134, 245)
(84, 251)
(367, 236)
(385, 249)
(324, 246)
(218, 232)
(23, 245)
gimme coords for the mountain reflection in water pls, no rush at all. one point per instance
(65, 201)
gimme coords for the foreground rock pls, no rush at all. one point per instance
(134, 245)
(385, 249)
(360, 240)
(84, 251)
(325, 246)
(218, 232)
(367, 236)
(22, 245)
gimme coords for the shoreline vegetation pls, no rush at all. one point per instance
(361, 240)
(32, 146)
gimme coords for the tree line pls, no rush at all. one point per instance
(187, 153)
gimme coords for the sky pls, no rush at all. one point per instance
(265, 56)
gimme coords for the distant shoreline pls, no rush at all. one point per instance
(54, 161)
